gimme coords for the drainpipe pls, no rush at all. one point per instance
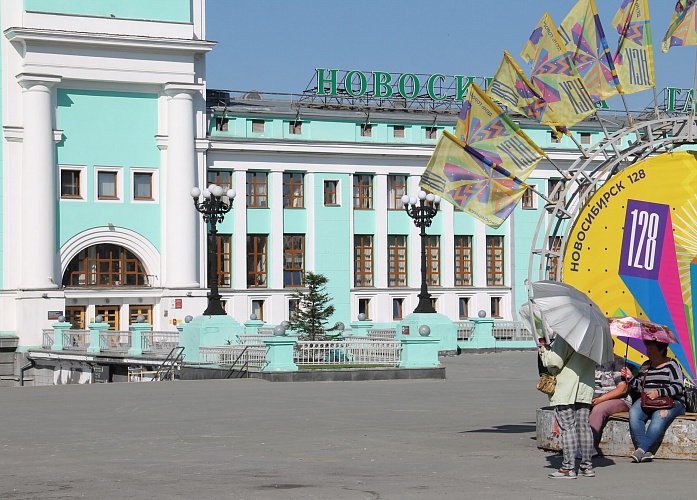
(22, 369)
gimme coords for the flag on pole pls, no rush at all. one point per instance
(460, 175)
(585, 39)
(512, 88)
(634, 56)
(683, 26)
(555, 77)
(484, 126)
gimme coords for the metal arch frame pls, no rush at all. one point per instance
(586, 174)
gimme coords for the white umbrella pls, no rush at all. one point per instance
(565, 311)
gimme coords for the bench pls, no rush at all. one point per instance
(679, 441)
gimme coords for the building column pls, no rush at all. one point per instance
(38, 205)
(181, 219)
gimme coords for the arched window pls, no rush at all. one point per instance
(105, 265)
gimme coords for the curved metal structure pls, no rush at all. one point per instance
(602, 162)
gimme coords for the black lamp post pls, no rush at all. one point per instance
(423, 214)
(213, 209)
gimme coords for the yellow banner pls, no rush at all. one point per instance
(634, 56)
(682, 29)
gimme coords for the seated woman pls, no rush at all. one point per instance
(610, 396)
(663, 378)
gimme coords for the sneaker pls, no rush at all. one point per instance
(638, 455)
(563, 474)
(589, 472)
(648, 456)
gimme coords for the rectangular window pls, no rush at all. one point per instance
(222, 124)
(70, 184)
(106, 185)
(397, 308)
(400, 131)
(295, 128)
(495, 307)
(293, 191)
(433, 260)
(222, 178)
(135, 311)
(464, 304)
(585, 137)
(258, 309)
(431, 132)
(494, 261)
(363, 260)
(363, 192)
(293, 260)
(553, 262)
(256, 261)
(110, 315)
(258, 126)
(397, 261)
(293, 305)
(366, 130)
(463, 261)
(364, 307)
(257, 190)
(551, 185)
(528, 201)
(434, 303)
(396, 188)
(142, 186)
(224, 256)
(331, 196)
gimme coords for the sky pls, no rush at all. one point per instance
(275, 45)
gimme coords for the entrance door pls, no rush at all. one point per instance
(76, 316)
(110, 315)
(135, 311)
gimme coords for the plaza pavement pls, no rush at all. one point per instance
(470, 436)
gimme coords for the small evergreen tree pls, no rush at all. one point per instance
(314, 308)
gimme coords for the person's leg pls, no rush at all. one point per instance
(637, 424)
(566, 421)
(600, 413)
(660, 420)
(584, 434)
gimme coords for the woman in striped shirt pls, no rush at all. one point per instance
(663, 378)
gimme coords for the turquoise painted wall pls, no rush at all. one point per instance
(149, 10)
(108, 129)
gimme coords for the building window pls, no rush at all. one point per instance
(397, 308)
(256, 261)
(556, 137)
(396, 188)
(224, 256)
(75, 315)
(105, 265)
(495, 307)
(397, 261)
(363, 260)
(400, 131)
(70, 184)
(463, 305)
(107, 188)
(293, 193)
(222, 178)
(528, 201)
(463, 261)
(293, 259)
(135, 311)
(585, 137)
(366, 130)
(363, 191)
(434, 303)
(551, 185)
(258, 309)
(142, 186)
(433, 260)
(553, 261)
(364, 307)
(257, 190)
(222, 124)
(110, 315)
(431, 132)
(295, 128)
(331, 193)
(258, 126)
(494, 260)
(293, 306)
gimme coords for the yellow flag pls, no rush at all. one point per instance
(683, 26)
(634, 56)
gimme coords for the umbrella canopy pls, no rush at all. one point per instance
(635, 328)
(569, 313)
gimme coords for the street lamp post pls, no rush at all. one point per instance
(422, 214)
(213, 209)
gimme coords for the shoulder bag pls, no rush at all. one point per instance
(548, 383)
(659, 403)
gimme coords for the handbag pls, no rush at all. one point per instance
(547, 383)
(691, 399)
(659, 403)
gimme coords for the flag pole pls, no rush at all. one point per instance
(692, 114)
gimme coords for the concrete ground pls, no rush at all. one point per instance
(469, 436)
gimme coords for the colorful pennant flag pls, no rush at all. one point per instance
(465, 178)
(512, 88)
(634, 56)
(683, 26)
(585, 39)
(486, 128)
(554, 75)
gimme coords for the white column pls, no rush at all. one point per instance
(277, 229)
(239, 236)
(38, 214)
(181, 219)
(380, 264)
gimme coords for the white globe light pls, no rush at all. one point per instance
(210, 187)
(437, 199)
(405, 199)
(430, 197)
(231, 193)
(195, 192)
(422, 195)
(217, 191)
(412, 200)
(206, 193)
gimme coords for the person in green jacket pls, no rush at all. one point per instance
(572, 404)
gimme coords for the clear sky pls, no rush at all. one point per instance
(275, 45)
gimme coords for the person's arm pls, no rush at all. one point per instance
(554, 358)
(616, 393)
